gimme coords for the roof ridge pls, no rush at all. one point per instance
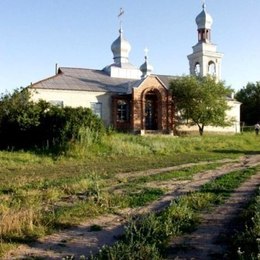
(73, 68)
(164, 75)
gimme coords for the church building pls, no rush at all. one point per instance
(128, 98)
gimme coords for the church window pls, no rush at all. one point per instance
(199, 35)
(212, 68)
(197, 69)
(122, 111)
(208, 36)
(96, 108)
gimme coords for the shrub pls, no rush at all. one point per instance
(25, 124)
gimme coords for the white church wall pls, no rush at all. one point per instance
(232, 113)
(117, 72)
(76, 99)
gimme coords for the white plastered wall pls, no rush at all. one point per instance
(233, 113)
(203, 54)
(76, 99)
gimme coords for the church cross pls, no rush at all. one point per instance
(121, 12)
(203, 4)
(146, 52)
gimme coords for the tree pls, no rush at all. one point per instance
(19, 117)
(201, 101)
(249, 96)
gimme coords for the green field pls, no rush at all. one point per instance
(42, 192)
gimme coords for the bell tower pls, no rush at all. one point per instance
(205, 60)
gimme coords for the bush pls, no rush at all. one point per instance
(59, 126)
(25, 124)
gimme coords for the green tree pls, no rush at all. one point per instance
(249, 96)
(19, 117)
(17, 108)
(201, 101)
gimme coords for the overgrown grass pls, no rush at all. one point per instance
(245, 243)
(150, 234)
(164, 145)
(40, 192)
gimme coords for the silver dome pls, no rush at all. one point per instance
(121, 48)
(204, 20)
(146, 68)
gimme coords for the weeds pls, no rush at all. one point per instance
(245, 243)
(143, 197)
(183, 174)
(153, 231)
(39, 193)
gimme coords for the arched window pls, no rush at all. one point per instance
(212, 68)
(197, 69)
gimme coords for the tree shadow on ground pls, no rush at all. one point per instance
(233, 151)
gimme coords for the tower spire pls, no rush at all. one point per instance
(146, 53)
(146, 68)
(120, 16)
(121, 47)
(204, 22)
(203, 4)
(205, 59)
(122, 68)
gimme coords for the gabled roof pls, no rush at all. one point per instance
(166, 79)
(91, 80)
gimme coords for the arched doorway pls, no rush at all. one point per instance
(151, 111)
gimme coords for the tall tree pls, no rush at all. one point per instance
(201, 101)
(249, 96)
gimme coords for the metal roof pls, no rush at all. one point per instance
(91, 80)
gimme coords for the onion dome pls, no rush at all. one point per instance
(146, 68)
(121, 48)
(204, 20)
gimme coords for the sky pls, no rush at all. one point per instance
(37, 34)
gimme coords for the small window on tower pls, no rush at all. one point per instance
(212, 68)
(197, 69)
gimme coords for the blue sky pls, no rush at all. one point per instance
(36, 34)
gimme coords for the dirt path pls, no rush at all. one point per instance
(167, 169)
(205, 242)
(81, 241)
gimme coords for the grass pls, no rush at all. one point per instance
(183, 174)
(40, 193)
(147, 237)
(245, 242)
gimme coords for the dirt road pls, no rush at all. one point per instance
(80, 240)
